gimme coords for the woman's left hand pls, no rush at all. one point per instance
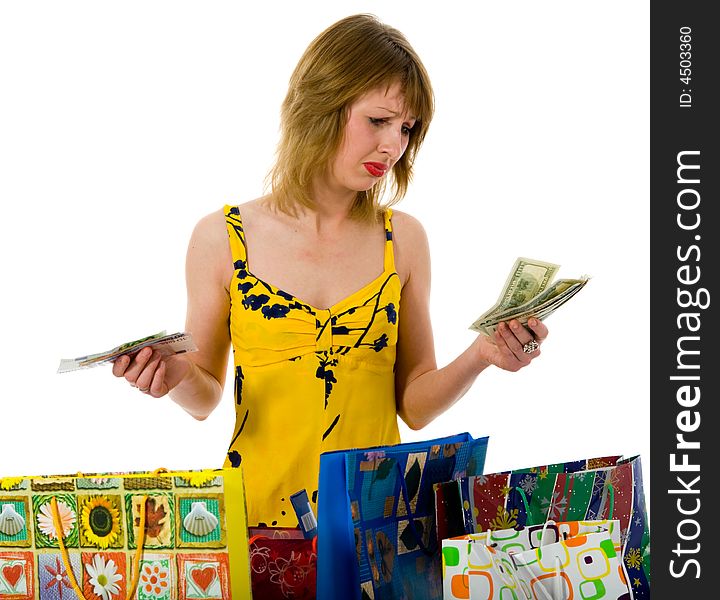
(512, 345)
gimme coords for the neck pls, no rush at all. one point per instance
(329, 211)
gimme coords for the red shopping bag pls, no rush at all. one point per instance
(283, 564)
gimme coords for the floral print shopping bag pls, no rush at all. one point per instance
(160, 536)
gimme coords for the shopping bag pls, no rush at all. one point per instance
(376, 517)
(472, 571)
(599, 488)
(495, 500)
(161, 535)
(283, 563)
(585, 566)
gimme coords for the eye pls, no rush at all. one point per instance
(379, 121)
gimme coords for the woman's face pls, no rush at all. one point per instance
(376, 136)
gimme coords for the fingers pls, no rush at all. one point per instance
(145, 379)
(157, 386)
(540, 332)
(515, 337)
(136, 365)
(119, 365)
(521, 341)
(141, 370)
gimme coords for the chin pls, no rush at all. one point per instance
(368, 185)
(357, 188)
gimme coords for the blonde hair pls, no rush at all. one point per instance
(350, 58)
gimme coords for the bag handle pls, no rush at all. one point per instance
(66, 559)
(611, 493)
(541, 592)
(411, 523)
(557, 587)
(521, 491)
(544, 528)
(524, 499)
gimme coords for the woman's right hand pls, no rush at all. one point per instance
(151, 371)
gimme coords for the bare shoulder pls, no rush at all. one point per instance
(408, 228)
(209, 226)
(410, 244)
(209, 237)
(209, 248)
(257, 215)
(211, 230)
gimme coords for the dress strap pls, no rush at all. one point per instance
(389, 254)
(236, 236)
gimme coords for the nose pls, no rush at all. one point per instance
(392, 143)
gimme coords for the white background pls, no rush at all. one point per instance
(123, 123)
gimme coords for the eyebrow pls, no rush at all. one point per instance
(410, 117)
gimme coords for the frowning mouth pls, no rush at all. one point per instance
(375, 169)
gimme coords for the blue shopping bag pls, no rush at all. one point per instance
(376, 517)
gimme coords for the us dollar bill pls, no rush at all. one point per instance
(541, 308)
(174, 343)
(529, 292)
(527, 278)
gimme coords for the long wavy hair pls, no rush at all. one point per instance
(350, 58)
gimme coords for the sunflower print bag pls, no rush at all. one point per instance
(160, 536)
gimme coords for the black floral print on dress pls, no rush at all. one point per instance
(288, 401)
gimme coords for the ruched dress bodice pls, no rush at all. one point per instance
(307, 380)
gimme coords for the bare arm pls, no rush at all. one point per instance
(207, 273)
(422, 390)
(195, 380)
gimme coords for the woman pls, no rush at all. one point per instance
(326, 292)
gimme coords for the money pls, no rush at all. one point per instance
(174, 343)
(529, 292)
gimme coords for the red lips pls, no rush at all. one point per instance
(376, 169)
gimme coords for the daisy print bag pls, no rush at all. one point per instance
(160, 536)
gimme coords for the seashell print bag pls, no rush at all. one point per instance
(115, 536)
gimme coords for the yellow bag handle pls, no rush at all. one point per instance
(66, 558)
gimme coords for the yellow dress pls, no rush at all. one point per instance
(307, 380)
